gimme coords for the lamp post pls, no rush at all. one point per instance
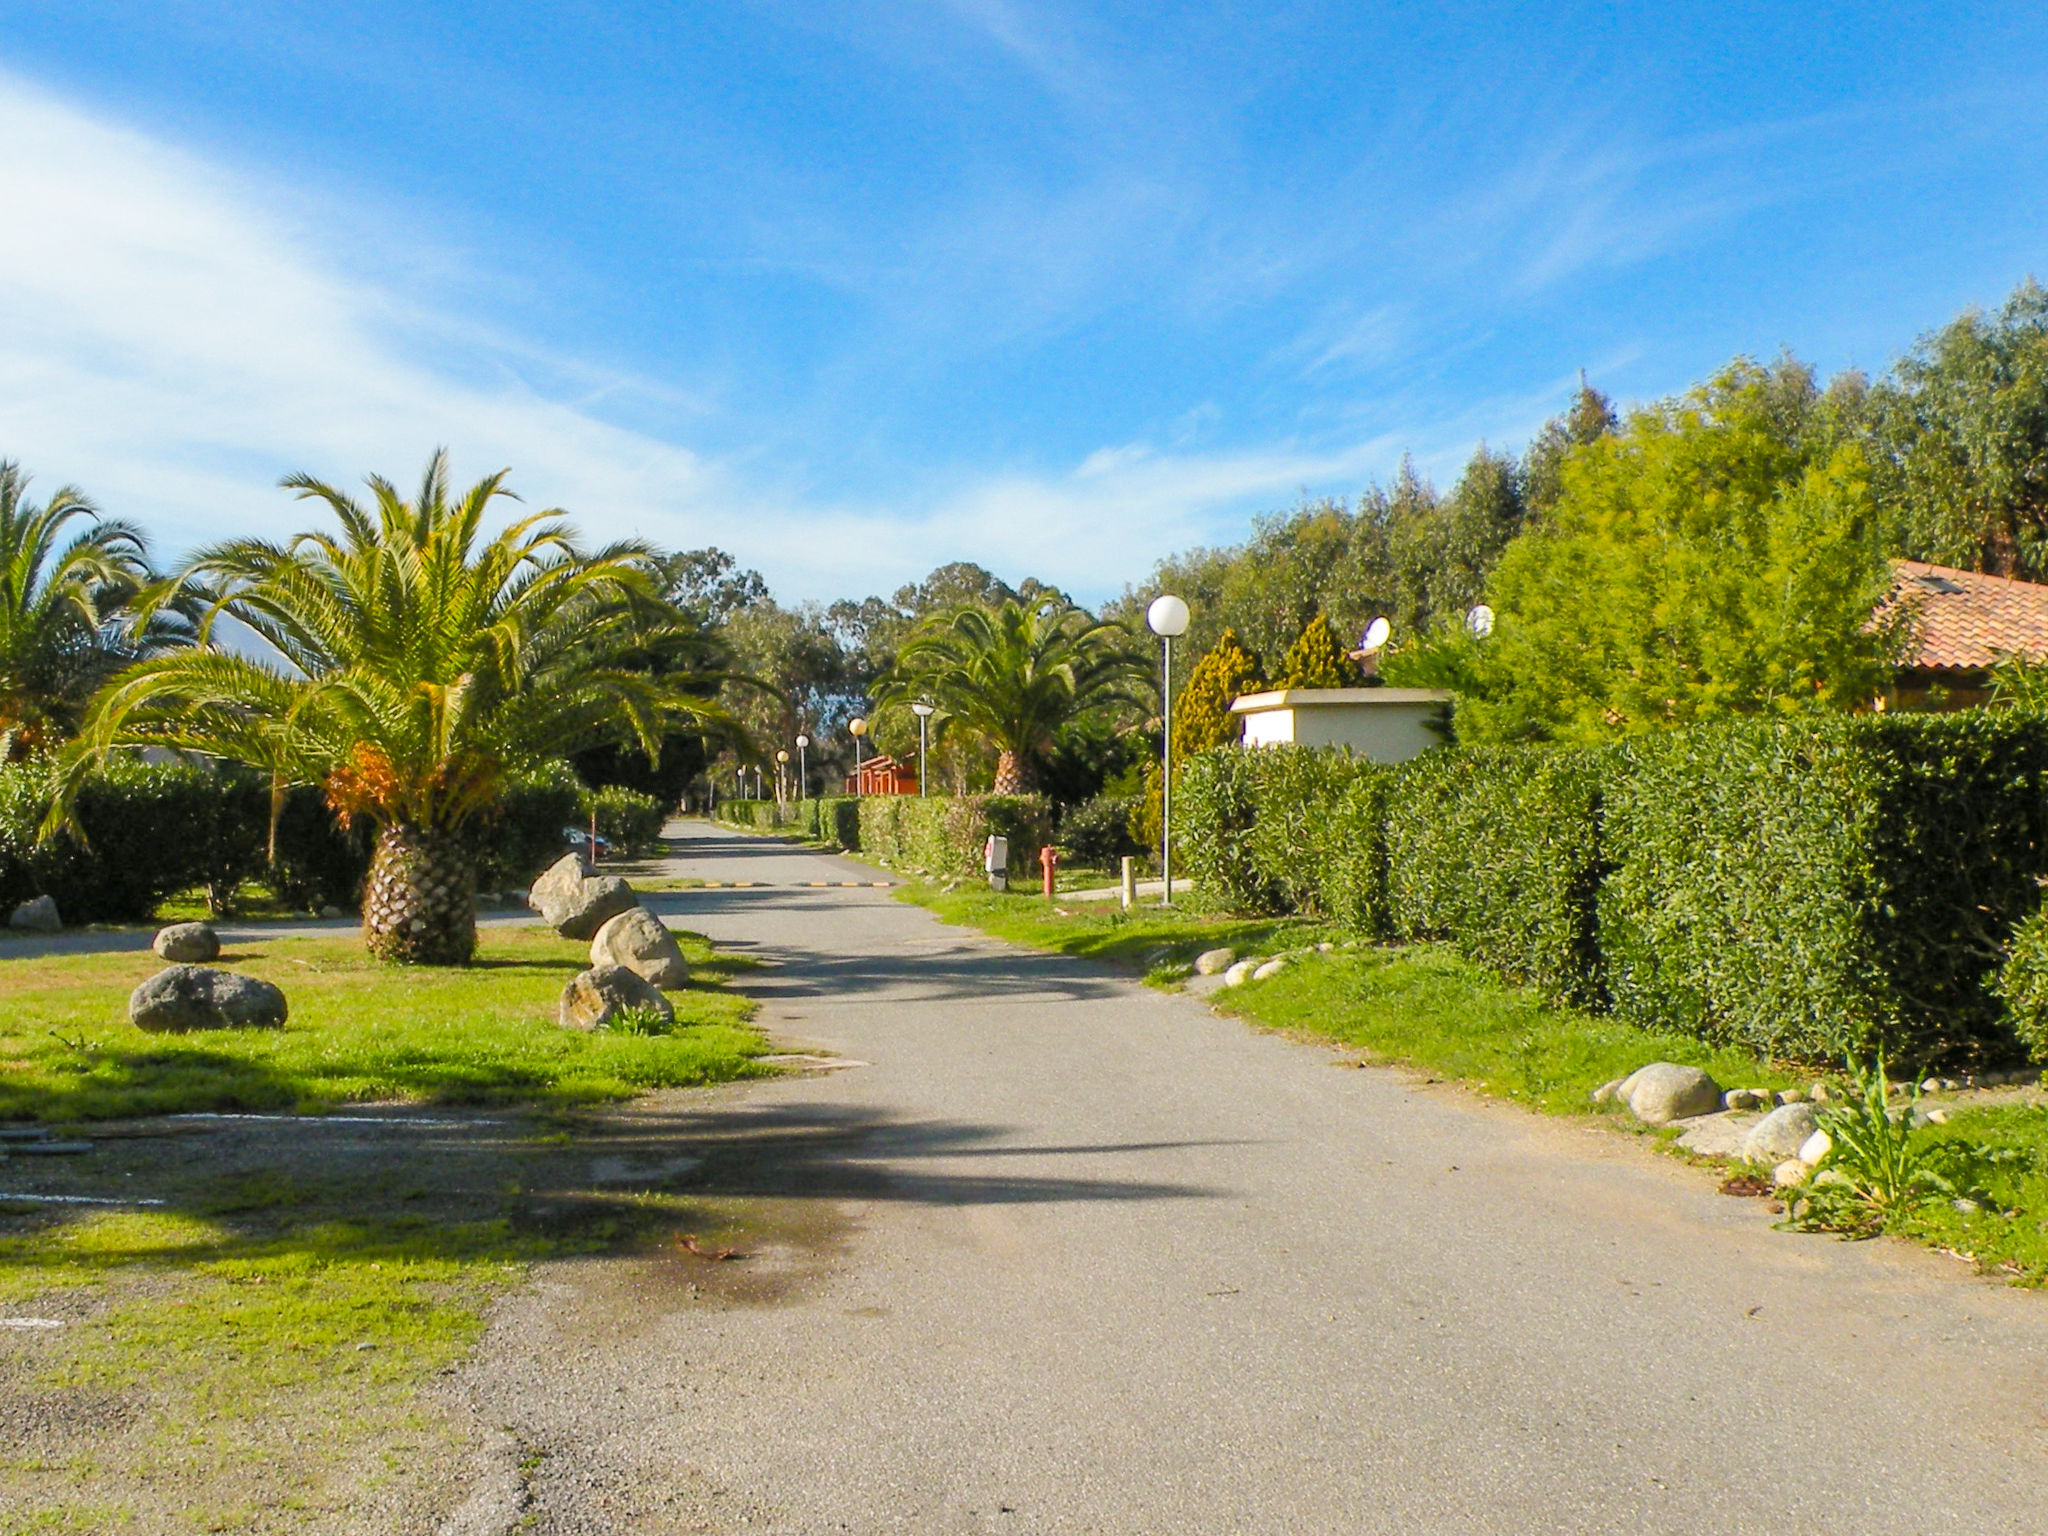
(803, 767)
(859, 728)
(923, 710)
(1166, 618)
(781, 776)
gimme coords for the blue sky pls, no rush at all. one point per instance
(852, 290)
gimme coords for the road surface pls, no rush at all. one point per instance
(1073, 1255)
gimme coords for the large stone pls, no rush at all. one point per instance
(1270, 969)
(187, 943)
(576, 905)
(1780, 1134)
(37, 916)
(1816, 1148)
(637, 940)
(594, 998)
(188, 997)
(1213, 962)
(1665, 1091)
(1240, 972)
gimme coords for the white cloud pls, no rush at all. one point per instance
(175, 343)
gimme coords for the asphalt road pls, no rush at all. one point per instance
(1073, 1255)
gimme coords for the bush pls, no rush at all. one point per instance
(523, 835)
(1827, 888)
(943, 835)
(2022, 984)
(1097, 833)
(1498, 852)
(144, 832)
(630, 821)
(319, 863)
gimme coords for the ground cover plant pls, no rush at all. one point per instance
(359, 1030)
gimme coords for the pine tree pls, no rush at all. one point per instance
(1201, 715)
(1317, 660)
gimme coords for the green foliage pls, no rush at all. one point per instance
(2022, 983)
(1201, 712)
(523, 833)
(1317, 660)
(631, 822)
(641, 1019)
(943, 835)
(1878, 1166)
(1826, 888)
(1720, 555)
(1097, 832)
(1499, 852)
(1959, 441)
(1287, 829)
(1014, 677)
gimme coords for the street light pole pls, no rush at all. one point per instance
(923, 710)
(803, 768)
(859, 728)
(1166, 618)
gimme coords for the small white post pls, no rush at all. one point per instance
(1130, 873)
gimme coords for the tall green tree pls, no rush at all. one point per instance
(1589, 418)
(1014, 676)
(1201, 715)
(1317, 660)
(1720, 554)
(415, 666)
(1959, 441)
(69, 584)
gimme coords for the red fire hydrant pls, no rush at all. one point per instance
(1048, 860)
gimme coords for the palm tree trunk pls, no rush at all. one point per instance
(420, 907)
(1012, 774)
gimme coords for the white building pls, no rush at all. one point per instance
(1384, 725)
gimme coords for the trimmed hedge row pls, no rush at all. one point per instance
(150, 830)
(626, 819)
(944, 834)
(834, 820)
(1807, 889)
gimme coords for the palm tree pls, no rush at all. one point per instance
(1013, 675)
(413, 667)
(67, 617)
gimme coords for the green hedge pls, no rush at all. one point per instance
(626, 819)
(1498, 852)
(1806, 889)
(1097, 833)
(834, 820)
(1287, 829)
(943, 835)
(1827, 887)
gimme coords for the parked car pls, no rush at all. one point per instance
(579, 840)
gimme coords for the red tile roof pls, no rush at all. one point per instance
(1964, 620)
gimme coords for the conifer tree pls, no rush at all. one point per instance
(1317, 660)
(1201, 715)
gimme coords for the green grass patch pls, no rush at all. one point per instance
(1162, 941)
(359, 1030)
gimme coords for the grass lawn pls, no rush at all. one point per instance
(1422, 1006)
(483, 1033)
(261, 1351)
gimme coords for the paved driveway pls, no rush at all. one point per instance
(1073, 1255)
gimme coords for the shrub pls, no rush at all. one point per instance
(1097, 832)
(1214, 811)
(630, 821)
(1498, 851)
(144, 831)
(1827, 888)
(836, 820)
(524, 834)
(943, 835)
(318, 862)
(2022, 983)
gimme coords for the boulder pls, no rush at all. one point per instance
(1240, 972)
(37, 916)
(1211, 962)
(1789, 1173)
(595, 997)
(1816, 1147)
(1664, 1091)
(187, 943)
(1744, 1098)
(187, 997)
(1606, 1091)
(574, 904)
(1270, 969)
(1780, 1134)
(637, 940)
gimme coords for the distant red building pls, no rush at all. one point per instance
(882, 776)
(1961, 624)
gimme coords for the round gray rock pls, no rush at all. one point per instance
(188, 997)
(187, 943)
(1240, 972)
(595, 997)
(1213, 962)
(37, 916)
(637, 940)
(1780, 1134)
(576, 905)
(1665, 1091)
(1270, 969)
